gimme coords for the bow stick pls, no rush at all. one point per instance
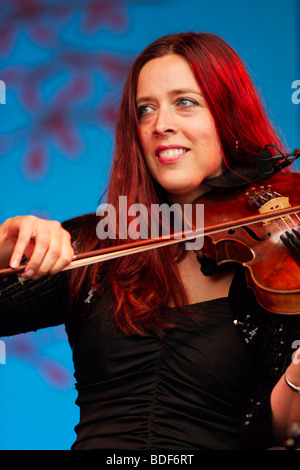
(105, 254)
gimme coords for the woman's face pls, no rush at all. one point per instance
(178, 134)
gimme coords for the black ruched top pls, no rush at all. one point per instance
(183, 392)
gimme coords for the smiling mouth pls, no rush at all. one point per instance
(171, 154)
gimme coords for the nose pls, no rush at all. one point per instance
(164, 122)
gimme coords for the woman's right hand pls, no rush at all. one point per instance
(46, 245)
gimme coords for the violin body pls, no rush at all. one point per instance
(271, 269)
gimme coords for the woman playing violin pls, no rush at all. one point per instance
(165, 356)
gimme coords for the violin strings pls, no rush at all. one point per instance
(266, 195)
(293, 223)
(290, 217)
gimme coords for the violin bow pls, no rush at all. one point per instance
(105, 254)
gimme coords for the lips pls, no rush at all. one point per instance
(170, 153)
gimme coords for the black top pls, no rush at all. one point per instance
(184, 392)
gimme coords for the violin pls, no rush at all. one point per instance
(256, 227)
(268, 249)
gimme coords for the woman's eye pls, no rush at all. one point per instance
(186, 102)
(143, 110)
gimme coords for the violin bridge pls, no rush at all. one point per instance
(267, 201)
(274, 205)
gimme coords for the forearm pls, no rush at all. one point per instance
(285, 402)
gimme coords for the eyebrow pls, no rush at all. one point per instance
(185, 90)
(179, 91)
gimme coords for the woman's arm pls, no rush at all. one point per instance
(285, 401)
(41, 300)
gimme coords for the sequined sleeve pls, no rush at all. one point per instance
(31, 305)
(274, 350)
(271, 338)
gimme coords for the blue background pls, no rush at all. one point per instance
(64, 64)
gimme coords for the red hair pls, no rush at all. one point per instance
(143, 284)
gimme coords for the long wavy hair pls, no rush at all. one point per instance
(143, 284)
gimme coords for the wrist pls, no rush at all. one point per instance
(293, 386)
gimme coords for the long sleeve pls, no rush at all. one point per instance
(271, 337)
(274, 354)
(32, 305)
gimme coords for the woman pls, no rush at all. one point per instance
(165, 357)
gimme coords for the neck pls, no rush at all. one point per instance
(190, 197)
